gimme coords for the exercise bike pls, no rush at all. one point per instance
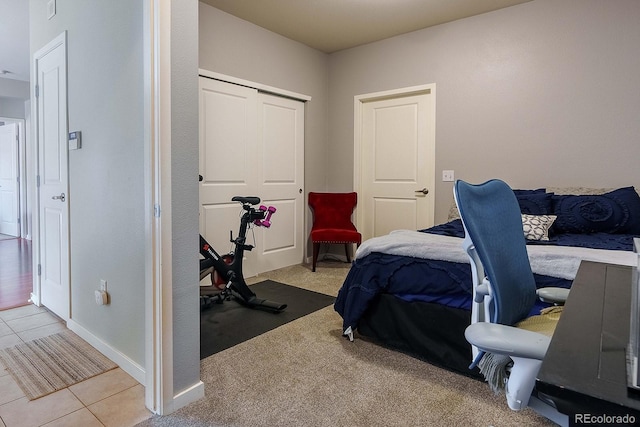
(227, 279)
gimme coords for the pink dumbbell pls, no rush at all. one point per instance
(267, 221)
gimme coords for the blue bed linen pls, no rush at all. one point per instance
(442, 282)
(620, 242)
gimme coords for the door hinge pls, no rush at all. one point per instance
(39, 269)
(38, 181)
(37, 91)
(156, 210)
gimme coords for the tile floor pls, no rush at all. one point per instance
(111, 399)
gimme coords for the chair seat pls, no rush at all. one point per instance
(331, 235)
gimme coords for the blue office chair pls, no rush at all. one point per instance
(504, 292)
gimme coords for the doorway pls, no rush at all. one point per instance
(11, 177)
(395, 160)
(51, 237)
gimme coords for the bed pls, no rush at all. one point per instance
(411, 290)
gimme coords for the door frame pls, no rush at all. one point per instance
(358, 143)
(60, 40)
(262, 89)
(23, 205)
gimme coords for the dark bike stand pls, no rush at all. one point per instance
(228, 268)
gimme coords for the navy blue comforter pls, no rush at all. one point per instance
(442, 282)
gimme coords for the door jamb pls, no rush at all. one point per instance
(61, 39)
(358, 102)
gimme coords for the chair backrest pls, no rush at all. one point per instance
(492, 220)
(333, 210)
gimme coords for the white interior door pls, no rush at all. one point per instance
(228, 158)
(9, 183)
(53, 197)
(252, 144)
(281, 180)
(397, 152)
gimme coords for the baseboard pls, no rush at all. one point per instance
(190, 395)
(123, 361)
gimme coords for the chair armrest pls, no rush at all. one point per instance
(507, 340)
(553, 295)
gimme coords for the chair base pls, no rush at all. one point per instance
(316, 251)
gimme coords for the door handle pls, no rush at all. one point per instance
(61, 197)
(423, 191)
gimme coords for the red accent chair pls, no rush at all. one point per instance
(332, 221)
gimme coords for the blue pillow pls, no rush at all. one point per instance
(524, 192)
(629, 199)
(615, 212)
(535, 203)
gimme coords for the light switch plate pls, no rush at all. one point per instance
(447, 176)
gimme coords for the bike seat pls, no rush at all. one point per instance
(250, 200)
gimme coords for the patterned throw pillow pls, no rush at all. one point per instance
(536, 227)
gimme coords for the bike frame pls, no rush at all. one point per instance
(232, 272)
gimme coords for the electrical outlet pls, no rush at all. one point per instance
(103, 285)
(447, 176)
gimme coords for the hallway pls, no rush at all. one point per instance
(16, 281)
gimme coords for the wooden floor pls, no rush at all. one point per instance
(15, 273)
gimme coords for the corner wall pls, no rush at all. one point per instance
(540, 94)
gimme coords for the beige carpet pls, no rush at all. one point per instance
(48, 364)
(306, 374)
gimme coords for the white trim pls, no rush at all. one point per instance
(357, 133)
(124, 362)
(258, 86)
(159, 389)
(158, 307)
(190, 395)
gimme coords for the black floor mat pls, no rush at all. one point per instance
(230, 323)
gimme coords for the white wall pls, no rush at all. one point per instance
(545, 93)
(11, 88)
(12, 107)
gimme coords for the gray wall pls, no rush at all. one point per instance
(541, 94)
(106, 191)
(184, 194)
(238, 48)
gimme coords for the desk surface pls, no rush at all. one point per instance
(584, 369)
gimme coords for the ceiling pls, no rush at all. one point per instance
(326, 25)
(333, 25)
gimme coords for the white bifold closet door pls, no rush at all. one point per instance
(252, 144)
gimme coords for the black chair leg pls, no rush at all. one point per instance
(347, 251)
(316, 249)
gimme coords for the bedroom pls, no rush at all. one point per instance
(560, 92)
(515, 91)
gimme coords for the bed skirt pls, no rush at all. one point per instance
(430, 332)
